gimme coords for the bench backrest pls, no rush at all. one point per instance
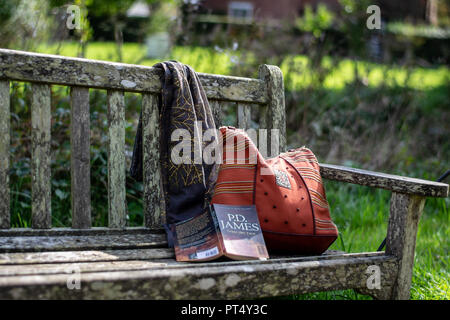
(265, 93)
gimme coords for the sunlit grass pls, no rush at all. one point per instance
(362, 214)
(297, 70)
(339, 73)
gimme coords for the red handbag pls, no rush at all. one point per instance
(287, 190)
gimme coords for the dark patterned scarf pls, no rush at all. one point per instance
(187, 187)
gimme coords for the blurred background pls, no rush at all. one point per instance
(364, 88)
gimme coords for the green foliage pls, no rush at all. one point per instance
(410, 30)
(162, 17)
(353, 24)
(7, 10)
(110, 7)
(24, 23)
(317, 22)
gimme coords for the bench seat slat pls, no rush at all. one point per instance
(5, 117)
(51, 257)
(94, 231)
(70, 243)
(22, 258)
(205, 281)
(384, 181)
(84, 267)
(131, 260)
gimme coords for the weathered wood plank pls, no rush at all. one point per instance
(153, 215)
(276, 110)
(52, 69)
(117, 212)
(5, 140)
(244, 115)
(114, 260)
(50, 257)
(41, 156)
(216, 108)
(56, 232)
(230, 88)
(69, 243)
(385, 181)
(80, 158)
(227, 281)
(404, 219)
(61, 268)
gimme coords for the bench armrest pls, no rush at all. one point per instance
(384, 181)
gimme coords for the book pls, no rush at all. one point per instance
(221, 230)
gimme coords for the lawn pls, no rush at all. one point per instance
(360, 213)
(220, 61)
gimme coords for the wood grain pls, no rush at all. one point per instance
(243, 115)
(5, 140)
(52, 69)
(40, 157)
(70, 243)
(229, 280)
(153, 214)
(276, 110)
(80, 158)
(384, 181)
(405, 212)
(117, 210)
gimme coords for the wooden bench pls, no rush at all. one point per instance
(121, 262)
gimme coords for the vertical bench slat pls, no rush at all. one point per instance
(80, 158)
(216, 108)
(243, 115)
(116, 160)
(276, 114)
(153, 214)
(41, 156)
(4, 155)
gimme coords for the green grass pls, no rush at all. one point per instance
(298, 72)
(201, 59)
(360, 213)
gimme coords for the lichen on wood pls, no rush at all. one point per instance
(221, 280)
(80, 158)
(52, 69)
(244, 115)
(276, 110)
(5, 117)
(405, 212)
(151, 161)
(385, 181)
(117, 210)
(40, 156)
